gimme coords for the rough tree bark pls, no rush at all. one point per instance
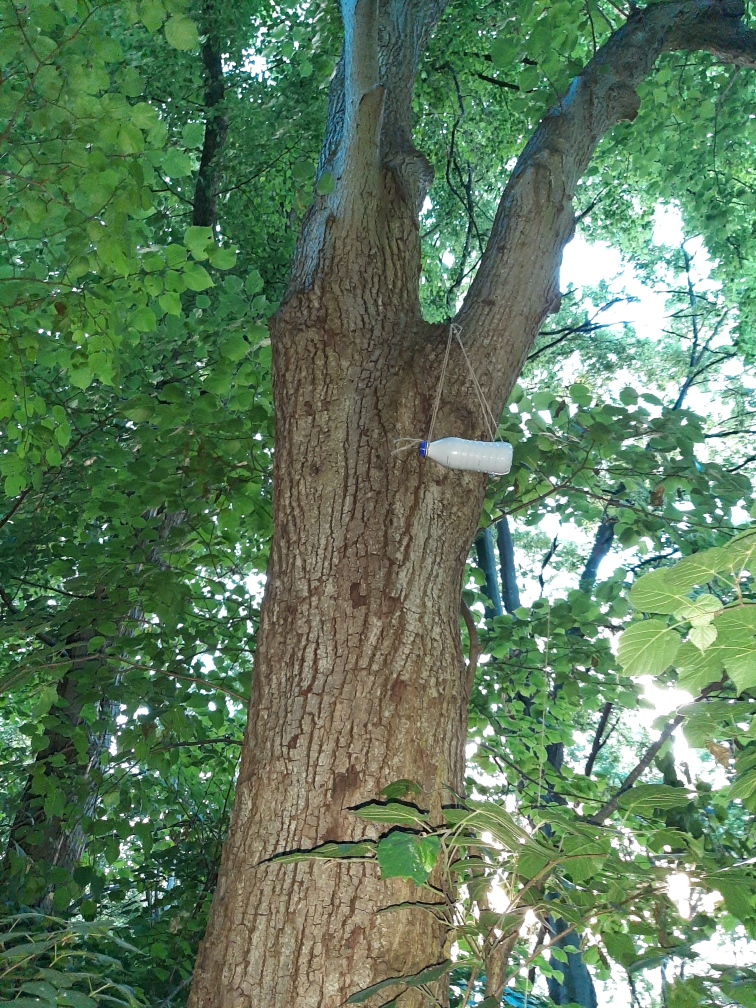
(359, 674)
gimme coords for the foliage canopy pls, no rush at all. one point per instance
(136, 424)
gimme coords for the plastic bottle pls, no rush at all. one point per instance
(476, 456)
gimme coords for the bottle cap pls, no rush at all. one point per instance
(423, 449)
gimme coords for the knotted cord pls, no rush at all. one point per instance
(489, 421)
(455, 332)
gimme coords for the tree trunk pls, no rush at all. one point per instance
(205, 202)
(359, 677)
(484, 550)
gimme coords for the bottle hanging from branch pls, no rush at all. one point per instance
(493, 457)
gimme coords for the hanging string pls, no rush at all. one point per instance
(437, 403)
(489, 420)
(488, 417)
(404, 443)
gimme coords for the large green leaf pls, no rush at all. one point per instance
(697, 569)
(492, 818)
(330, 852)
(736, 644)
(402, 854)
(181, 32)
(715, 719)
(655, 593)
(644, 799)
(392, 813)
(426, 976)
(648, 648)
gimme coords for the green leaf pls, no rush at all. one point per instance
(643, 799)
(81, 377)
(401, 788)
(303, 171)
(223, 258)
(14, 485)
(620, 946)
(698, 569)
(22, 1002)
(235, 348)
(700, 611)
(330, 852)
(655, 594)
(132, 82)
(744, 785)
(504, 51)
(710, 719)
(407, 855)
(742, 552)
(580, 394)
(144, 320)
(196, 277)
(738, 899)
(170, 302)
(152, 14)
(77, 999)
(139, 409)
(176, 164)
(199, 241)
(696, 668)
(647, 648)
(736, 644)
(253, 283)
(326, 184)
(531, 860)
(628, 396)
(488, 816)
(40, 989)
(429, 975)
(391, 813)
(703, 636)
(181, 32)
(193, 134)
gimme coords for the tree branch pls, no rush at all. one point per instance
(472, 633)
(368, 148)
(611, 806)
(598, 740)
(516, 285)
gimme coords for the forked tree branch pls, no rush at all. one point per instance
(516, 285)
(368, 138)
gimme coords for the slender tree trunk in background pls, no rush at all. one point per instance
(484, 550)
(602, 545)
(205, 202)
(359, 677)
(63, 778)
(62, 788)
(510, 593)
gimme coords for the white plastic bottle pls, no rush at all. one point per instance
(476, 456)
